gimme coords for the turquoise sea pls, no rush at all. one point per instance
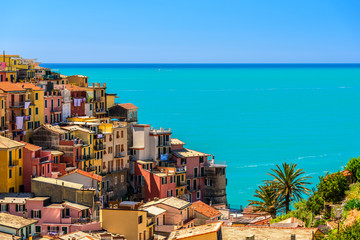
(250, 116)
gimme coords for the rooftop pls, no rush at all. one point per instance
(75, 205)
(205, 209)
(185, 152)
(15, 222)
(195, 231)
(31, 86)
(76, 128)
(175, 141)
(18, 200)
(11, 87)
(86, 174)
(170, 201)
(7, 143)
(30, 147)
(58, 182)
(5, 236)
(155, 210)
(74, 88)
(54, 152)
(265, 233)
(55, 128)
(128, 106)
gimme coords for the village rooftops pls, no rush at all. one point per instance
(30, 147)
(175, 141)
(206, 210)
(58, 182)
(76, 206)
(74, 88)
(38, 199)
(86, 174)
(54, 152)
(11, 87)
(55, 128)
(17, 200)
(153, 210)
(7, 143)
(77, 128)
(15, 222)
(170, 201)
(185, 152)
(5, 236)
(128, 106)
(195, 231)
(79, 235)
(265, 232)
(31, 86)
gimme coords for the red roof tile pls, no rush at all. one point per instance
(87, 174)
(10, 87)
(31, 147)
(128, 106)
(205, 209)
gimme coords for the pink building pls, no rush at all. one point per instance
(36, 163)
(158, 182)
(195, 163)
(53, 107)
(60, 218)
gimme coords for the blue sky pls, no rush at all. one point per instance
(187, 31)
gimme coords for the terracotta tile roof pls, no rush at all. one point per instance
(75, 88)
(205, 209)
(7, 143)
(87, 174)
(11, 87)
(55, 128)
(29, 86)
(128, 106)
(31, 147)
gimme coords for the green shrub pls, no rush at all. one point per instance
(352, 204)
(354, 167)
(332, 187)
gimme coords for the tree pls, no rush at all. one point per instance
(354, 167)
(269, 202)
(332, 187)
(290, 183)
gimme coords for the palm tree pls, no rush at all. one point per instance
(269, 202)
(290, 183)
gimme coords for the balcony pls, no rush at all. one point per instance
(196, 188)
(55, 109)
(100, 110)
(99, 147)
(181, 170)
(85, 157)
(13, 163)
(120, 155)
(20, 104)
(181, 184)
(45, 159)
(84, 220)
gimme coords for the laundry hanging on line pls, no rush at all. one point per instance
(20, 122)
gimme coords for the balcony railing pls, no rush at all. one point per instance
(55, 109)
(17, 104)
(13, 163)
(99, 147)
(120, 154)
(84, 220)
(181, 169)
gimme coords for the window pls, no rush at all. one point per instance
(122, 134)
(35, 213)
(202, 171)
(10, 173)
(117, 134)
(36, 111)
(46, 119)
(183, 161)
(201, 159)
(20, 207)
(140, 219)
(45, 103)
(90, 107)
(20, 153)
(58, 102)
(30, 111)
(36, 96)
(198, 195)
(38, 229)
(20, 171)
(4, 207)
(195, 172)
(48, 168)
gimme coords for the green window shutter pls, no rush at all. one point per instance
(32, 213)
(39, 213)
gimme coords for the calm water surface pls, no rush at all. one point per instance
(250, 116)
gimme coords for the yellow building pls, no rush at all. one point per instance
(36, 108)
(210, 231)
(3, 123)
(25, 67)
(99, 99)
(11, 165)
(180, 190)
(110, 100)
(78, 80)
(128, 219)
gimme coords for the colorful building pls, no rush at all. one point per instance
(78, 97)
(36, 163)
(53, 107)
(210, 231)
(99, 99)
(128, 219)
(3, 120)
(17, 103)
(11, 165)
(17, 226)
